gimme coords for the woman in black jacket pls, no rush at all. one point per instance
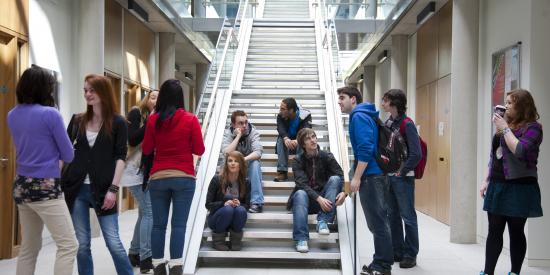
(140, 253)
(99, 137)
(228, 200)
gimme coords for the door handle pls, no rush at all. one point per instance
(4, 162)
(441, 159)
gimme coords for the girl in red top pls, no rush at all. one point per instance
(174, 135)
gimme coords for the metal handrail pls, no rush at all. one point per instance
(214, 123)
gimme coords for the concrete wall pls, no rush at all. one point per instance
(502, 24)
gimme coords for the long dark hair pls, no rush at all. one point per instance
(104, 89)
(242, 173)
(169, 100)
(36, 86)
(524, 107)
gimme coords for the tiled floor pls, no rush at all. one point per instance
(437, 255)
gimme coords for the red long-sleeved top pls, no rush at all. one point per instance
(174, 143)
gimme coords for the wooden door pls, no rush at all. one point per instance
(443, 143)
(11, 60)
(425, 121)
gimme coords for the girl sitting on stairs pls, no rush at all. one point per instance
(228, 200)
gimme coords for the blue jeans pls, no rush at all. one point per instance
(141, 241)
(401, 207)
(256, 183)
(373, 193)
(109, 228)
(226, 218)
(282, 154)
(302, 205)
(179, 192)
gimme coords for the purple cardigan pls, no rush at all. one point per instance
(40, 140)
(522, 163)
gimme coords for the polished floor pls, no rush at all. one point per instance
(437, 255)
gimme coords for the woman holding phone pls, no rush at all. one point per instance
(228, 200)
(511, 191)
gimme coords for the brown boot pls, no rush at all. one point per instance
(281, 176)
(218, 241)
(235, 238)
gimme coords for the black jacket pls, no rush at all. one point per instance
(326, 166)
(136, 133)
(215, 199)
(99, 162)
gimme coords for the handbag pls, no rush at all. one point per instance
(66, 169)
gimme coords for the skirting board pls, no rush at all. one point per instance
(538, 263)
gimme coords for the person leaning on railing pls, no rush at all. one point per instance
(511, 190)
(228, 200)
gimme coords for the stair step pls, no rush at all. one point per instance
(295, 93)
(273, 170)
(278, 185)
(269, 233)
(277, 217)
(271, 144)
(275, 133)
(274, 250)
(268, 121)
(277, 101)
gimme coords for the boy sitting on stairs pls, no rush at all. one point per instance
(319, 181)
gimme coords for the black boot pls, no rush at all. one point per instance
(160, 269)
(146, 265)
(218, 241)
(235, 238)
(176, 270)
(134, 259)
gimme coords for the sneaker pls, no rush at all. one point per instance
(175, 270)
(146, 265)
(407, 263)
(397, 259)
(134, 259)
(281, 176)
(367, 270)
(255, 208)
(322, 228)
(160, 269)
(512, 273)
(301, 246)
(481, 273)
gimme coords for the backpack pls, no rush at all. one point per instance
(421, 165)
(392, 149)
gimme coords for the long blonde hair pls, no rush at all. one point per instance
(143, 108)
(224, 176)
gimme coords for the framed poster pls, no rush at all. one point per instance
(505, 73)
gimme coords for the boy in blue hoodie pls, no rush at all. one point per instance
(368, 178)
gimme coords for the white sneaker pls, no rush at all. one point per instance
(301, 246)
(322, 228)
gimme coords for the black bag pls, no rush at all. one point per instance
(66, 169)
(392, 149)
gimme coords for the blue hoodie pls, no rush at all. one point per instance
(363, 133)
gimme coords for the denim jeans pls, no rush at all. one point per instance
(302, 205)
(109, 228)
(256, 183)
(373, 194)
(179, 192)
(282, 154)
(226, 218)
(141, 241)
(401, 207)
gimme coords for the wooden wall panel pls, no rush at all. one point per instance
(444, 39)
(423, 116)
(139, 48)
(426, 52)
(14, 16)
(443, 117)
(113, 37)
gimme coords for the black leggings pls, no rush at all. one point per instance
(518, 243)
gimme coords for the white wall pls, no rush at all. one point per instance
(411, 78)
(539, 241)
(381, 83)
(502, 24)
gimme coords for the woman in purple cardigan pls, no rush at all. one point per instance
(511, 190)
(41, 144)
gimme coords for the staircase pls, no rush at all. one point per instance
(281, 62)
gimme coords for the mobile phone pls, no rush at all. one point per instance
(500, 110)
